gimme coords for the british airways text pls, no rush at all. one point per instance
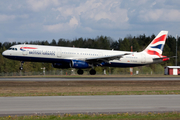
(41, 52)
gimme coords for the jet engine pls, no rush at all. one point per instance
(79, 64)
(61, 65)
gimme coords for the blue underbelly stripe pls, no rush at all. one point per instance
(58, 60)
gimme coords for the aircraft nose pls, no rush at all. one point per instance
(4, 53)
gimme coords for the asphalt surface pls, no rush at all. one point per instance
(88, 104)
(91, 79)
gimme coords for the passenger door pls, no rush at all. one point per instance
(143, 58)
(59, 52)
(24, 51)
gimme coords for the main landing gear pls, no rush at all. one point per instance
(91, 72)
(20, 68)
(80, 72)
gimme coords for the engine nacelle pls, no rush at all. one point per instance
(61, 65)
(79, 64)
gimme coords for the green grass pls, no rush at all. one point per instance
(164, 92)
(123, 116)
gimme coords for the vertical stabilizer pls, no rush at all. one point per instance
(157, 45)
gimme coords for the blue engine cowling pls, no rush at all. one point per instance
(61, 65)
(79, 64)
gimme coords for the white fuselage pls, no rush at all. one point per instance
(54, 54)
(80, 58)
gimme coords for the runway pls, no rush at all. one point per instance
(91, 79)
(88, 104)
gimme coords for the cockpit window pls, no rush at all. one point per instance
(12, 49)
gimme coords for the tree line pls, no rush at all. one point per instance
(139, 43)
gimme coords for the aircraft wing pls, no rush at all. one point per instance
(106, 59)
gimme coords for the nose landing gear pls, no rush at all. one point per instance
(20, 68)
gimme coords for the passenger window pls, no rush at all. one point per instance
(12, 48)
(16, 49)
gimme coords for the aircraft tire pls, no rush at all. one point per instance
(92, 72)
(20, 68)
(80, 72)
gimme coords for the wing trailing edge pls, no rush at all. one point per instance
(106, 59)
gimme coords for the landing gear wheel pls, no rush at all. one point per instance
(20, 68)
(80, 72)
(92, 72)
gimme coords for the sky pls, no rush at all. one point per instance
(39, 20)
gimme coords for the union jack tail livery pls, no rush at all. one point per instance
(155, 48)
(157, 45)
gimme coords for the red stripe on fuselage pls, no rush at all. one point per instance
(28, 48)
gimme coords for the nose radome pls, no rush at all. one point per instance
(4, 53)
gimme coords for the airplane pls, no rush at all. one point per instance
(81, 58)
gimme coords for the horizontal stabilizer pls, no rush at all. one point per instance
(162, 58)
